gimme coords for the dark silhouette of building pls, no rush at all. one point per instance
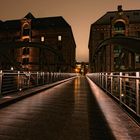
(114, 57)
(51, 44)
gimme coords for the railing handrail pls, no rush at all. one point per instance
(121, 76)
(14, 81)
(123, 87)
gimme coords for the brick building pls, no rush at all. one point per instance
(114, 23)
(54, 48)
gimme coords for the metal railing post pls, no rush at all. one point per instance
(43, 77)
(137, 94)
(29, 78)
(37, 78)
(111, 85)
(51, 78)
(18, 78)
(47, 77)
(54, 77)
(120, 87)
(1, 83)
(101, 79)
(106, 81)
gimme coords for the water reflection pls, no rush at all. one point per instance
(80, 95)
(76, 84)
(77, 92)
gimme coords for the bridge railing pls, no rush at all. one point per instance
(122, 86)
(14, 81)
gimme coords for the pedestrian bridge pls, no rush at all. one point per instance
(71, 108)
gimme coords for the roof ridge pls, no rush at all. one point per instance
(29, 16)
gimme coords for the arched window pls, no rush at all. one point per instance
(26, 30)
(119, 26)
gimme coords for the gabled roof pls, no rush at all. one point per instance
(133, 16)
(29, 16)
(36, 23)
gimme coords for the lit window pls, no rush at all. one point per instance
(59, 38)
(42, 39)
(137, 57)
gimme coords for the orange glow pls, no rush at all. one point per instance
(25, 37)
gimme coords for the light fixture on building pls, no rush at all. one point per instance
(59, 38)
(42, 39)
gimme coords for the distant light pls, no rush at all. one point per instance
(20, 89)
(76, 70)
(122, 95)
(12, 68)
(42, 39)
(59, 38)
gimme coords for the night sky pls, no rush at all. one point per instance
(80, 14)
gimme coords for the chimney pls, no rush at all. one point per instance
(120, 8)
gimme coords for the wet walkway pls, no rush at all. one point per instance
(68, 111)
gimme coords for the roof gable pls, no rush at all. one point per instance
(36, 23)
(133, 16)
(29, 16)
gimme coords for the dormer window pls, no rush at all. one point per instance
(120, 23)
(26, 30)
(119, 27)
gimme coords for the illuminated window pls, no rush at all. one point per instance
(137, 57)
(59, 38)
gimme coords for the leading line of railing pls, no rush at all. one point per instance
(123, 86)
(14, 81)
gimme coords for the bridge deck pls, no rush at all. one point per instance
(68, 111)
